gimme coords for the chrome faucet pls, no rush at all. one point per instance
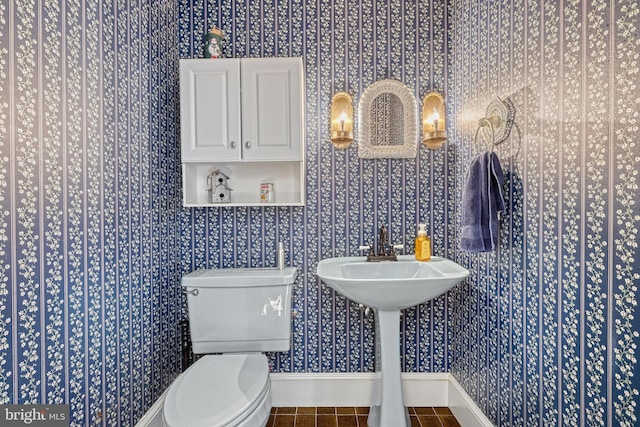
(386, 252)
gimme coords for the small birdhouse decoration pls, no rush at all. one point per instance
(213, 43)
(217, 187)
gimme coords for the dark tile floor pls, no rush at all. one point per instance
(354, 417)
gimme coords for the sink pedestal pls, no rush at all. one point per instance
(389, 287)
(391, 412)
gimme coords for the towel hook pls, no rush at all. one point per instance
(484, 123)
(499, 120)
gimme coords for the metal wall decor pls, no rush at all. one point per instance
(496, 126)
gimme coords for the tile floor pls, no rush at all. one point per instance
(354, 417)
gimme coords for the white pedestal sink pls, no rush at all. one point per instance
(389, 287)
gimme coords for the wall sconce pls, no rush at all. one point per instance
(341, 120)
(434, 132)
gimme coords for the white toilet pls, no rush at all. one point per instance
(239, 313)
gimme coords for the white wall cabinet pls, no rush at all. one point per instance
(244, 116)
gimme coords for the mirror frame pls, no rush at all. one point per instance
(410, 147)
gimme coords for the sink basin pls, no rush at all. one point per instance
(391, 285)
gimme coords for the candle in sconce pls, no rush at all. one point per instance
(343, 119)
(433, 122)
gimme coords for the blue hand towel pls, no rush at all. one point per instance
(482, 199)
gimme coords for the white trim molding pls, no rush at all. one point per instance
(354, 389)
(153, 417)
(464, 408)
(359, 389)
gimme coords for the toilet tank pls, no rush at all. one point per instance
(239, 309)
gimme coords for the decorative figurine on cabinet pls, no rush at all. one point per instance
(217, 187)
(213, 43)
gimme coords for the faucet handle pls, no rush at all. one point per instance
(367, 248)
(393, 249)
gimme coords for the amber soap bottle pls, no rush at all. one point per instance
(423, 244)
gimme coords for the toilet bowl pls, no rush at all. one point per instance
(219, 391)
(234, 316)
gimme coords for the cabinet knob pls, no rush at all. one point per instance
(232, 144)
(247, 144)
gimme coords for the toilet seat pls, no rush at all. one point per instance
(220, 390)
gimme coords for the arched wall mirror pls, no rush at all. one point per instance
(388, 119)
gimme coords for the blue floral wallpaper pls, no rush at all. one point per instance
(93, 238)
(546, 330)
(345, 46)
(89, 196)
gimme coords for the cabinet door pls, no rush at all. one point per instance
(272, 114)
(210, 109)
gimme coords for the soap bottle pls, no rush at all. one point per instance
(423, 244)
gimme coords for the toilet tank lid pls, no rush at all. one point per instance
(240, 277)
